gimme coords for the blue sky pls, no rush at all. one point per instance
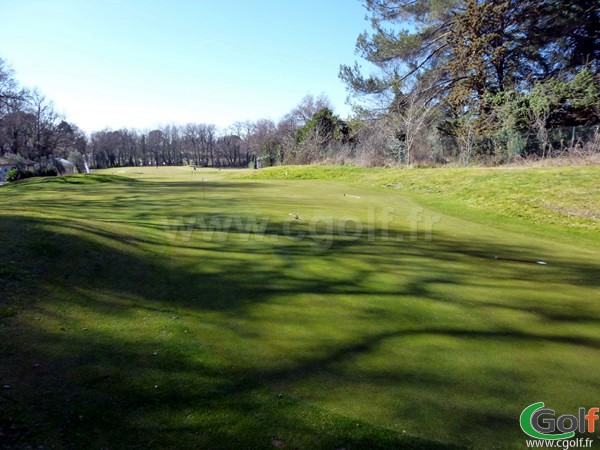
(145, 63)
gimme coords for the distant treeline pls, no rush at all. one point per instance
(461, 81)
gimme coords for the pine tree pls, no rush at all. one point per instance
(473, 47)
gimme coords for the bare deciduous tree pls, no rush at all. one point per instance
(308, 107)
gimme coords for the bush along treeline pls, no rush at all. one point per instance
(18, 174)
(450, 81)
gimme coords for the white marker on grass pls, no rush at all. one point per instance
(499, 258)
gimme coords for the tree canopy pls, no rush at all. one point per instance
(473, 47)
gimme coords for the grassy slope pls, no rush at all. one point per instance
(567, 196)
(113, 334)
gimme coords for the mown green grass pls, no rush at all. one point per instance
(119, 331)
(567, 196)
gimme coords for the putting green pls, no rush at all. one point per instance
(172, 308)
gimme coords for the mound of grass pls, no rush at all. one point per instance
(566, 196)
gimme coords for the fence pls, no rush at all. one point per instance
(505, 145)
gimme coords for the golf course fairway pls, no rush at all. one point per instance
(296, 307)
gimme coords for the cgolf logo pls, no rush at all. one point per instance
(540, 423)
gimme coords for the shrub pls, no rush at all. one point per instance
(48, 172)
(13, 175)
(16, 174)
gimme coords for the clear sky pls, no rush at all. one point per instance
(136, 63)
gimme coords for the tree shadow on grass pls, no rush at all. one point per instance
(123, 199)
(97, 387)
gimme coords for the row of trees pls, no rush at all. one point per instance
(30, 128)
(452, 80)
(261, 142)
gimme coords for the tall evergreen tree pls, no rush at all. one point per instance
(475, 47)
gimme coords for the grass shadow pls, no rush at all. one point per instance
(139, 340)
